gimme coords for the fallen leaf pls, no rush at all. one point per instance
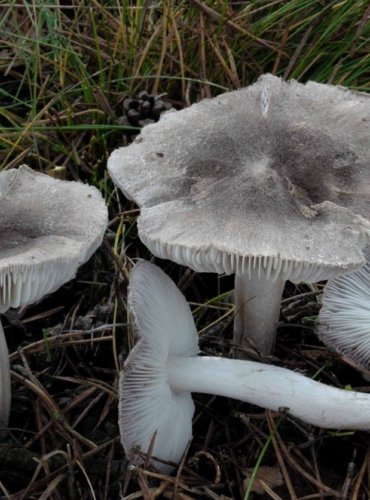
(265, 478)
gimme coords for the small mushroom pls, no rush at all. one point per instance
(163, 369)
(48, 228)
(270, 182)
(5, 389)
(344, 319)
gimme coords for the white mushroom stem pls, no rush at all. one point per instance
(163, 369)
(273, 388)
(257, 303)
(5, 393)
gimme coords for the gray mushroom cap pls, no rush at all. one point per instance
(149, 409)
(273, 177)
(48, 228)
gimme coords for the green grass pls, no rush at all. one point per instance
(65, 71)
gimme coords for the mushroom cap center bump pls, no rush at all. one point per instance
(273, 177)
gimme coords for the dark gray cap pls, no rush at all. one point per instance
(274, 177)
(48, 228)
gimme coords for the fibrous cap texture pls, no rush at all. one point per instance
(148, 408)
(48, 228)
(273, 177)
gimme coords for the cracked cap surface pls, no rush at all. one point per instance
(273, 177)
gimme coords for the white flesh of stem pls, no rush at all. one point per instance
(257, 309)
(272, 388)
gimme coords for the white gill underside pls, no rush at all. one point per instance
(22, 286)
(271, 267)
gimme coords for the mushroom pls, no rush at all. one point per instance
(5, 389)
(344, 319)
(270, 182)
(163, 369)
(48, 228)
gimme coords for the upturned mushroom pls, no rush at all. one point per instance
(270, 182)
(48, 228)
(163, 369)
(344, 319)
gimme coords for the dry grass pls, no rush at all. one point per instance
(65, 71)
